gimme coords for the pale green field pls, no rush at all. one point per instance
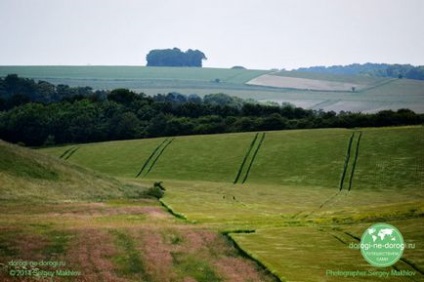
(355, 79)
(131, 73)
(291, 198)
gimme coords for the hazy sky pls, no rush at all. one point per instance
(259, 34)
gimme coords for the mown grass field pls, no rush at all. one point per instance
(372, 93)
(302, 222)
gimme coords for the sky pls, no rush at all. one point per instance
(256, 34)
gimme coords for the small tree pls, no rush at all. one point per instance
(156, 191)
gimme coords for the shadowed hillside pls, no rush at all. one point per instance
(28, 175)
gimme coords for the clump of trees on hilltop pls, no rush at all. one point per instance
(175, 58)
(40, 113)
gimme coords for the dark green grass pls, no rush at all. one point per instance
(128, 260)
(58, 242)
(195, 267)
(8, 243)
(16, 162)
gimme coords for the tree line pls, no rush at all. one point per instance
(34, 116)
(383, 70)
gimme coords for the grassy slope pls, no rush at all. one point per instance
(117, 158)
(298, 157)
(215, 159)
(292, 191)
(34, 177)
(56, 211)
(391, 159)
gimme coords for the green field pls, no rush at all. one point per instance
(62, 222)
(376, 93)
(302, 217)
(117, 73)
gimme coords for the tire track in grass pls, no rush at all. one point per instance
(150, 157)
(158, 155)
(249, 158)
(352, 173)
(253, 157)
(68, 153)
(154, 157)
(346, 163)
(71, 153)
(245, 158)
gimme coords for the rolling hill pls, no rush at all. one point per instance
(27, 175)
(62, 222)
(295, 192)
(304, 89)
(294, 157)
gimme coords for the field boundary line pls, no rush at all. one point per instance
(171, 210)
(253, 157)
(150, 157)
(249, 256)
(158, 155)
(245, 158)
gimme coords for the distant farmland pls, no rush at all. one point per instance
(307, 90)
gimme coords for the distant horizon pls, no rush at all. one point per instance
(209, 67)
